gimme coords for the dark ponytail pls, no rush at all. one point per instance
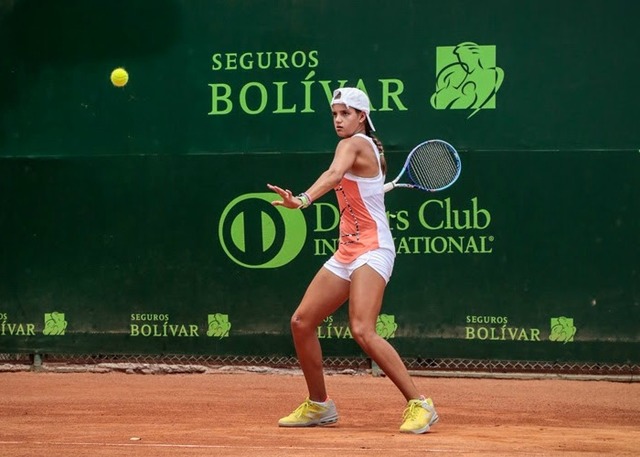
(378, 143)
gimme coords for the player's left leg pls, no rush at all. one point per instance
(365, 302)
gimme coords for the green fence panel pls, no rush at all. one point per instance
(528, 255)
(136, 219)
(254, 76)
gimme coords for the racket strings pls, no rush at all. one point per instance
(433, 166)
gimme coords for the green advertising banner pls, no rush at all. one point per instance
(528, 256)
(213, 76)
(135, 217)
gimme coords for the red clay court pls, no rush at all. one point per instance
(235, 414)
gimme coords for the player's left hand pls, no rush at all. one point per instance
(288, 200)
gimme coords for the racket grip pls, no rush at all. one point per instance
(388, 186)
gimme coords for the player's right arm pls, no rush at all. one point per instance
(343, 159)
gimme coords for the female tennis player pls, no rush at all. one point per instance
(358, 271)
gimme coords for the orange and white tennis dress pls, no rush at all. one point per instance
(365, 236)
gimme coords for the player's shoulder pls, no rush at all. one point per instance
(354, 142)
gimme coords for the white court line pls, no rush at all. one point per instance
(217, 446)
(348, 450)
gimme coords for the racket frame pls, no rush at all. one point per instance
(393, 184)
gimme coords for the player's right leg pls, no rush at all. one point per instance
(326, 293)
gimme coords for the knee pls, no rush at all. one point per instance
(301, 325)
(363, 335)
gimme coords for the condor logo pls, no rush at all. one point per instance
(255, 234)
(467, 77)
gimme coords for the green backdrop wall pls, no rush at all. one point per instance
(136, 219)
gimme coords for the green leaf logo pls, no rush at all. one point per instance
(54, 324)
(386, 326)
(562, 329)
(219, 325)
(466, 77)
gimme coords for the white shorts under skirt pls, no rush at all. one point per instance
(380, 260)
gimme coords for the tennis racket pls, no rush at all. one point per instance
(430, 166)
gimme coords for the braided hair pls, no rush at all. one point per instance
(378, 143)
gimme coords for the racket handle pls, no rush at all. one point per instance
(388, 186)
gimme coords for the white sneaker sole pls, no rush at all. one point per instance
(328, 420)
(426, 428)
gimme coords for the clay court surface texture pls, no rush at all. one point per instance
(235, 414)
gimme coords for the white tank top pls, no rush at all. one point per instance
(363, 218)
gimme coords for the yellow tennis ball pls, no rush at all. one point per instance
(119, 77)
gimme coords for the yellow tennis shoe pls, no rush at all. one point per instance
(419, 416)
(310, 414)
